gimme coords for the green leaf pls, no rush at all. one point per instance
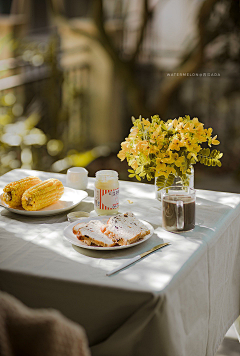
(170, 180)
(214, 153)
(160, 182)
(207, 153)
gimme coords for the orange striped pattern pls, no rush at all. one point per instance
(111, 193)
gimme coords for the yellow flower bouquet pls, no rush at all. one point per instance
(165, 150)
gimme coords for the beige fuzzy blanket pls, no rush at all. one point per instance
(38, 332)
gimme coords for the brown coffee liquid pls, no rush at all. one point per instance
(169, 213)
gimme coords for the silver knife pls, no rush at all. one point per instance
(137, 258)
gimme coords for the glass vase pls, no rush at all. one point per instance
(177, 181)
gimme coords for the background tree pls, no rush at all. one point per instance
(193, 58)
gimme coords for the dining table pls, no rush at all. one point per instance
(177, 301)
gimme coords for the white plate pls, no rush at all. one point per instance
(69, 235)
(70, 199)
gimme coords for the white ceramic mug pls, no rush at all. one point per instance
(77, 178)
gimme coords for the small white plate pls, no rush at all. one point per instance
(69, 235)
(70, 199)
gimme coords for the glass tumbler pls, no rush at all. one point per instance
(178, 208)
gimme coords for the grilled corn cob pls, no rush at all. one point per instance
(43, 194)
(12, 192)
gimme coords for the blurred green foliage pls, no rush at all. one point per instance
(18, 135)
(28, 140)
(23, 144)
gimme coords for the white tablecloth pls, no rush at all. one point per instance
(178, 301)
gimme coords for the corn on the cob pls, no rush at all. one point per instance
(42, 195)
(12, 192)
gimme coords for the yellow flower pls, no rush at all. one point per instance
(160, 138)
(161, 167)
(153, 150)
(133, 132)
(175, 144)
(180, 127)
(174, 156)
(200, 136)
(169, 157)
(125, 146)
(215, 141)
(156, 131)
(121, 155)
(208, 132)
(189, 127)
(146, 122)
(190, 144)
(124, 151)
(175, 123)
(141, 146)
(199, 128)
(134, 165)
(154, 147)
(180, 161)
(161, 173)
(170, 170)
